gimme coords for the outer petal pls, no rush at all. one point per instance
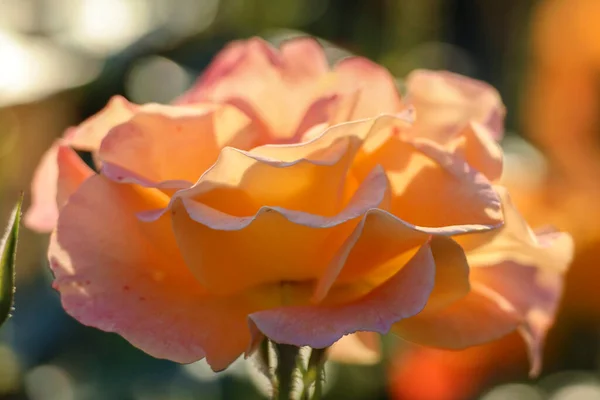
(432, 186)
(275, 88)
(171, 146)
(59, 174)
(526, 269)
(481, 151)
(370, 90)
(120, 275)
(479, 317)
(533, 293)
(89, 134)
(517, 280)
(516, 242)
(402, 296)
(445, 102)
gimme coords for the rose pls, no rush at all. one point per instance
(298, 227)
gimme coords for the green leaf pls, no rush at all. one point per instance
(8, 253)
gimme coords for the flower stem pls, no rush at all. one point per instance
(315, 371)
(286, 365)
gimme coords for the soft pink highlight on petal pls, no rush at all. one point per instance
(72, 172)
(43, 212)
(446, 102)
(404, 295)
(376, 87)
(90, 133)
(480, 317)
(533, 293)
(304, 58)
(482, 152)
(59, 174)
(137, 285)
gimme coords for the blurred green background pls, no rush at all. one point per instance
(60, 62)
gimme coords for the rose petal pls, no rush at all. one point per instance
(274, 87)
(274, 245)
(451, 273)
(137, 285)
(479, 317)
(72, 172)
(463, 196)
(515, 241)
(370, 90)
(445, 102)
(533, 293)
(304, 58)
(481, 151)
(142, 150)
(402, 296)
(90, 133)
(241, 182)
(59, 174)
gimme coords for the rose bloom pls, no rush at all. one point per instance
(282, 198)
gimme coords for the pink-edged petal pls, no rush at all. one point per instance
(43, 212)
(304, 58)
(358, 348)
(479, 317)
(370, 90)
(402, 296)
(72, 172)
(533, 293)
(121, 275)
(445, 102)
(170, 146)
(238, 57)
(274, 88)
(481, 151)
(516, 242)
(526, 268)
(433, 186)
(59, 174)
(90, 133)
(275, 245)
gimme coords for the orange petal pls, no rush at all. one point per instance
(451, 273)
(402, 296)
(446, 102)
(481, 151)
(117, 275)
(462, 196)
(533, 293)
(90, 133)
(516, 242)
(525, 268)
(370, 88)
(479, 317)
(314, 185)
(170, 146)
(378, 248)
(72, 172)
(275, 245)
(274, 87)
(58, 175)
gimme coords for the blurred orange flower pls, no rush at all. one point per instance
(285, 199)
